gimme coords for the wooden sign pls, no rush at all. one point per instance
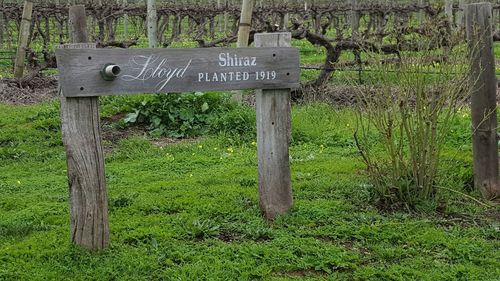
(98, 72)
(87, 73)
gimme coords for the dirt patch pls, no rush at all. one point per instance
(41, 89)
(325, 239)
(111, 134)
(162, 142)
(492, 214)
(333, 95)
(347, 244)
(451, 219)
(230, 236)
(37, 90)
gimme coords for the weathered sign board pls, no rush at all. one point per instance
(83, 71)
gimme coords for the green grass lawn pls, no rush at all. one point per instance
(189, 211)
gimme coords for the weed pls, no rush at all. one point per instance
(411, 119)
(121, 201)
(202, 229)
(19, 229)
(177, 115)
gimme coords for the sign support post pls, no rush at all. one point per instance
(81, 133)
(85, 73)
(273, 139)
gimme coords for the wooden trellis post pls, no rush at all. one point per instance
(244, 34)
(483, 100)
(2, 26)
(421, 12)
(85, 158)
(286, 18)
(448, 10)
(152, 26)
(22, 43)
(355, 17)
(125, 20)
(460, 14)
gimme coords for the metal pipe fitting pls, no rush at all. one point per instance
(110, 71)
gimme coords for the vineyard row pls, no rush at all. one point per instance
(367, 27)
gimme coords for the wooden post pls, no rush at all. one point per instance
(152, 27)
(286, 18)
(219, 25)
(125, 20)
(244, 35)
(496, 16)
(85, 159)
(355, 18)
(60, 26)
(273, 138)
(460, 14)
(2, 25)
(483, 100)
(226, 17)
(421, 13)
(245, 23)
(22, 43)
(448, 10)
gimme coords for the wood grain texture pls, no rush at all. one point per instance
(125, 20)
(483, 100)
(152, 23)
(448, 10)
(78, 30)
(24, 34)
(460, 18)
(273, 138)
(245, 23)
(146, 70)
(2, 26)
(243, 36)
(355, 18)
(85, 159)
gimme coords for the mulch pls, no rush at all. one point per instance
(41, 89)
(38, 89)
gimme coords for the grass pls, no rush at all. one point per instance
(189, 211)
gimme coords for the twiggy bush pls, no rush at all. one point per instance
(403, 119)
